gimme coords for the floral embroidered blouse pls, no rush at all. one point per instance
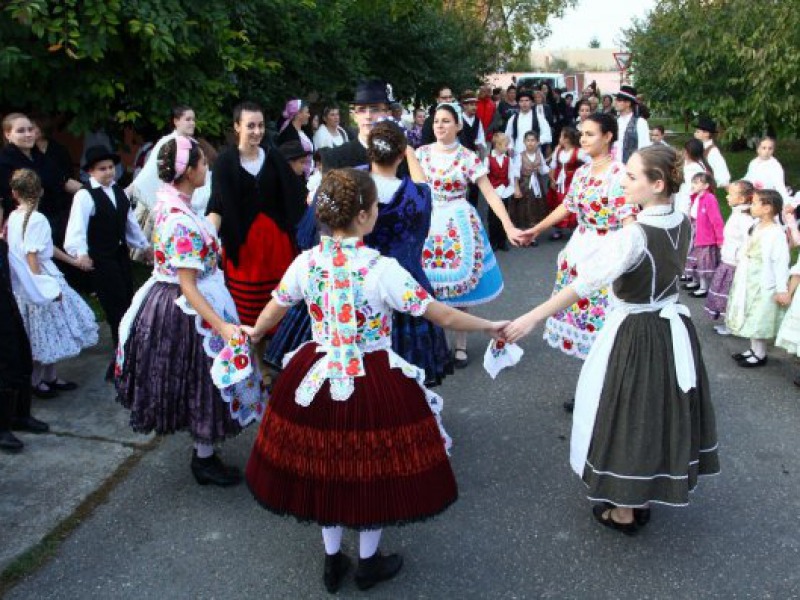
(449, 174)
(598, 200)
(379, 287)
(178, 244)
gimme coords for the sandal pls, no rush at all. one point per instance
(753, 361)
(460, 363)
(603, 516)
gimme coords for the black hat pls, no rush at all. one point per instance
(95, 154)
(706, 124)
(373, 92)
(524, 93)
(293, 149)
(627, 92)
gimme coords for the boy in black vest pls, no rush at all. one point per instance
(100, 229)
(472, 136)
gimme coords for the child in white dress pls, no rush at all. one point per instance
(765, 172)
(59, 328)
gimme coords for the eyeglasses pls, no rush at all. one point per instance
(372, 110)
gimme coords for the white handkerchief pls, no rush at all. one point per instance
(499, 355)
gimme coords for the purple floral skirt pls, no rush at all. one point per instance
(166, 378)
(702, 261)
(717, 299)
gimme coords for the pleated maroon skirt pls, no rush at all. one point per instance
(373, 460)
(263, 259)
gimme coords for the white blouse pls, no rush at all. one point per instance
(767, 175)
(737, 228)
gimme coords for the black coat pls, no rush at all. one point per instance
(352, 154)
(15, 350)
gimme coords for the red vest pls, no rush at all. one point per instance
(498, 175)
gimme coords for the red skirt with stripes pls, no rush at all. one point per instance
(263, 259)
(373, 460)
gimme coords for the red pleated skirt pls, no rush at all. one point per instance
(373, 460)
(263, 259)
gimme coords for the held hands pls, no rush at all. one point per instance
(251, 333)
(495, 329)
(519, 328)
(84, 263)
(229, 331)
(516, 236)
(531, 234)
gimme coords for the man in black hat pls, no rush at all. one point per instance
(101, 227)
(633, 132)
(704, 130)
(370, 104)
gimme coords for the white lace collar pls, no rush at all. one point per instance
(664, 216)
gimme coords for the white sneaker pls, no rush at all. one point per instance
(722, 330)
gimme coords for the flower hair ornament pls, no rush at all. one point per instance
(326, 202)
(389, 92)
(381, 145)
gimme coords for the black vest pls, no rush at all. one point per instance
(107, 227)
(469, 134)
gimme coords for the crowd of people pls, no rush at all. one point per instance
(310, 286)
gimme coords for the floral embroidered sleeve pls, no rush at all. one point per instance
(475, 167)
(290, 291)
(616, 195)
(401, 291)
(184, 245)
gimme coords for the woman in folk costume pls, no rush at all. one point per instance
(457, 258)
(182, 362)
(644, 427)
(255, 206)
(296, 115)
(596, 197)
(351, 437)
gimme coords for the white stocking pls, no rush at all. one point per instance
(204, 450)
(368, 543)
(759, 348)
(332, 537)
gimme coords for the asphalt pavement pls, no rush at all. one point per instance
(522, 527)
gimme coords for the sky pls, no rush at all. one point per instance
(603, 19)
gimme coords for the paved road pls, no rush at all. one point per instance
(521, 528)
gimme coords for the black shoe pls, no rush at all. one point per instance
(534, 244)
(796, 380)
(377, 568)
(460, 363)
(66, 386)
(753, 361)
(691, 286)
(9, 442)
(684, 278)
(599, 512)
(569, 406)
(743, 355)
(641, 516)
(555, 236)
(212, 470)
(336, 567)
(30, 425)
(43, 391)
(699, 294)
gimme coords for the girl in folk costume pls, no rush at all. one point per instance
(634, 445)
(765, 172)
(760, 285)
(707, 235)
(501, 174)
(596, 197)
(296, 115)
(528, 206)
(351, 437)
(737, 228)
(457, 258)
(566, 159)
(65, 325)
(789, 333)
(255, 205)
(182, 362)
